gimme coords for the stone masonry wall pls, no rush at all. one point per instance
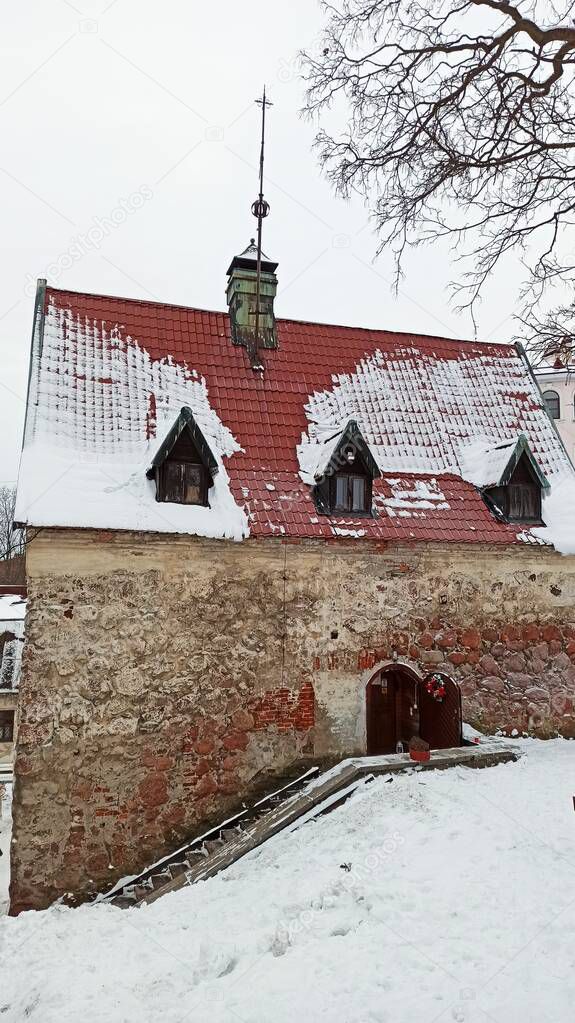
(163, 676)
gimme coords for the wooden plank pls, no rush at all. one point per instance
(340, 779)
(261, 830)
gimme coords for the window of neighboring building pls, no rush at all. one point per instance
(6, 726)
(552, 404)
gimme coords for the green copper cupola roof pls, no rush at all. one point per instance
(247, 260)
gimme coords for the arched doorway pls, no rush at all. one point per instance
(392, 710)
(400, 705)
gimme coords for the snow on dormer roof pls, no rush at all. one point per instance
(488, 463)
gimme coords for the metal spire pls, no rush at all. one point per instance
(260, 209)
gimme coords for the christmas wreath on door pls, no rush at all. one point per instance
(435, 687)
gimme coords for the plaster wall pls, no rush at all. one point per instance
(564, 384)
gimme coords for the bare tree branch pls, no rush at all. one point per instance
(11, 540)
(460, 124)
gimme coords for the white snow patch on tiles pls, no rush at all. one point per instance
(413, 499)
(427, 491)
(402, 502)
(415, 410)
(86, 453)
(341, 531)
(277, 529)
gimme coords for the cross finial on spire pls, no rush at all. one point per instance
(260, 208)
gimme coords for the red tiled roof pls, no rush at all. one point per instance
(266, 413)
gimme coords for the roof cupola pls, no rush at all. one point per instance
(241, 294)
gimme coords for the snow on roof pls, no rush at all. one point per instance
(12, 607)
(110, 375)
(558, 515)
(415, 410)
(484, 463)
(413, 500)
(313, 456)
(92, 435)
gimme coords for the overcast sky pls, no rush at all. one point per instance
(100, 101)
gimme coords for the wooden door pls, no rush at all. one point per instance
(392, 714)
(441, 722)
(380, 715)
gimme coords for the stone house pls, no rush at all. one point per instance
(237, 541)
(12, 612)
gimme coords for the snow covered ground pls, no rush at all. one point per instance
(458, 904)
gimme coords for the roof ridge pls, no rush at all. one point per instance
(414, 335)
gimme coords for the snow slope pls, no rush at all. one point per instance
(458, 905)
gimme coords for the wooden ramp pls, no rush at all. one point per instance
(307, 796)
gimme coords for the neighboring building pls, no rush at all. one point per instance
(12, 612)
(558, 387)
(253, 550)
(13, 572)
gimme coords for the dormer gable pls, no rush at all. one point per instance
(513, 482)
(345, 473)
(184, 465)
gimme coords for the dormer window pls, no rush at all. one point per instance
(183, 483)
(351, 493)
(517, 494)
(518, 502)
(344, 487)
(184, 466)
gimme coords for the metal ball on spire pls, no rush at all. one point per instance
(260, 208)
